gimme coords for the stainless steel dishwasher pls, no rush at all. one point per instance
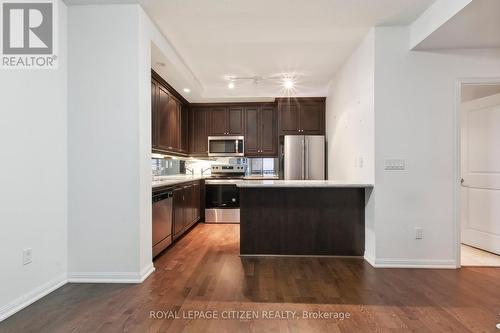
(162, 221)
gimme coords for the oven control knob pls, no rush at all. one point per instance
(233, 199)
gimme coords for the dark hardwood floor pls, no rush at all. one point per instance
(204, 272)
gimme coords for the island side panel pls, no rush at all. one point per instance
(302, 221)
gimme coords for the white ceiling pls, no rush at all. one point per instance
(308, 38)
(261, 37)
(475, 26)
(474, 91)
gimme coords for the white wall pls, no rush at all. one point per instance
(350, 127)
(350, 116)
(104, 144)
(414, 120)
(110, 142)
(33, 178)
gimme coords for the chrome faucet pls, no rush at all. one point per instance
(190, 170)
(204, 170)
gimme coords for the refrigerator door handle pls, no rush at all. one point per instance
(303, 158)
(306, 157)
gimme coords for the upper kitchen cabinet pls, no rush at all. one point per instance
(198, 131)
(218, 121)
(288, 116)
(154, 101)
(235, 120)
(260, 131)
(184, 133)
(169, 118)
(268, 135)
(252, 142)
(301, 116)
(226, 120)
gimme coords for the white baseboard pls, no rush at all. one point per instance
(369, 259)
(111, 277)
(147, 271)
(412, 263)
(31, 297)
(99, 277)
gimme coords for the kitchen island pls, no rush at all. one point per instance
(302, 217)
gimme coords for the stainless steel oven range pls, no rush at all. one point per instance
(222, 195)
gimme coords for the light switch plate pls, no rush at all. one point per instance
(394, 165)
(419, 232)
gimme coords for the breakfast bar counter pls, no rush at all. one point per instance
(311, 218)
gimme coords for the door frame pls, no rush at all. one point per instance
(457, 151)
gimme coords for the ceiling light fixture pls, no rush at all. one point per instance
(288, 83)
(187, 90)
(287, 80)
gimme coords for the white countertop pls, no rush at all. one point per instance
(223, 181)
(301, 183)
(264, 177)
(175, 180)
(255, 182)
(161, 181)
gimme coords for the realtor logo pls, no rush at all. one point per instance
(28, 34)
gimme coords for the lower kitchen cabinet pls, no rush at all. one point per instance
(186, 207)
(178, 211)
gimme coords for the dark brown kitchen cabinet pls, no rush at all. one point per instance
(178, 211)
(217, 121)
(288, 117)
(169, 124)
(198, 132)
(252, 144)
(154, 123)
(184, 132)
(196, 201)
(169, 118)
(164, 116)
(186, 207)
(301, 116)
(268, 135)
(235, 120)
(260, 131)
(225, 120)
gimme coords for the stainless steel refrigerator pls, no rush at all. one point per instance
(304, 157)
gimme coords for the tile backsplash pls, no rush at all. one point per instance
(198, 165)
(170, 166)
(166, 167)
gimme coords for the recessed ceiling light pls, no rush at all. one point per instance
(230, 85)
(187, 90)
(288, 83)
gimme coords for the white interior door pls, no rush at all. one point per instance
(480, 165)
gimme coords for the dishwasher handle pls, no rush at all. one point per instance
(162, 196)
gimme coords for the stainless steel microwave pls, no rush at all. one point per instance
(226, 146)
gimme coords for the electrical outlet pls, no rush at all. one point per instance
(27, 256)
(419, 232)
